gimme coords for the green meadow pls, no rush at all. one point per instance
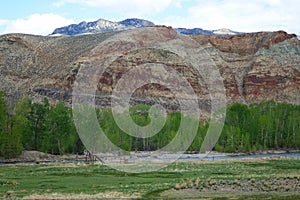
(264, 178)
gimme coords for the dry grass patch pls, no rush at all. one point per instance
(58, 196)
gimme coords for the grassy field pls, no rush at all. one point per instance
(278, 178)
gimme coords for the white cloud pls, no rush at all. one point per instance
(248, 16)
(39, 24)
(127, 8)
(3, 22)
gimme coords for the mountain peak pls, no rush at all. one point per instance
(102, 25)
(135, 22)
(224, 31)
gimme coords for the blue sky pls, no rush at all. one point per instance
(43, 16)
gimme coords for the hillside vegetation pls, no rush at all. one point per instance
(50, 128)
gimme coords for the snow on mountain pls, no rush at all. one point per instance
(103, 25)
(224, 31)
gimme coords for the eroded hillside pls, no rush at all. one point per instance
(255, 67)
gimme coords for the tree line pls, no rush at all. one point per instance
(264, 126)
(36, 126)
(50, 128)
(258, 127)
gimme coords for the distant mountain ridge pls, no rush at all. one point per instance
(103, 25)
(220, 32)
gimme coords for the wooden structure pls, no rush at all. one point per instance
(91, 158)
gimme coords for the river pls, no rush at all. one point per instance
(185, 157)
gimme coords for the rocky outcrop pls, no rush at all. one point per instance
(255, 67)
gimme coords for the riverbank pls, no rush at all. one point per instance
(32, 157)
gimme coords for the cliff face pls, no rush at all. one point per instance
(255, 67)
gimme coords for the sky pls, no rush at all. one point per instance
(41, 17)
